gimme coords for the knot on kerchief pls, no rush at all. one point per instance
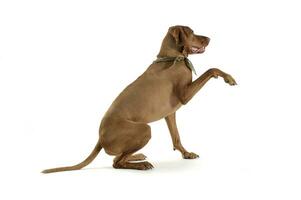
(188, 63)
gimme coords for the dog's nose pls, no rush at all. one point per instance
(207, 39)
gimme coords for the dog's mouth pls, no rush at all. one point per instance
(194, 49)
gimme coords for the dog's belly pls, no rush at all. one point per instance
(146, 101)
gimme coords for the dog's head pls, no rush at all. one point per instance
(186, 41)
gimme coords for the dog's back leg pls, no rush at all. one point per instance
(123, 138)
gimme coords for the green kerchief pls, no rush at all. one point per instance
(177, 59)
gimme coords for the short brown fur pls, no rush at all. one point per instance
(158, 93)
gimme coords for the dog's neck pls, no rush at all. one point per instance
(188, 63)
(170, 49)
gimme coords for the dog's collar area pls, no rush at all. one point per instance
(188, 63)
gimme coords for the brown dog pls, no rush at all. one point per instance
(158, 93)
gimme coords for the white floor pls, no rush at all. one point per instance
(63, 62)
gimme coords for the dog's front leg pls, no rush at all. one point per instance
(172, 126)
(188, 91)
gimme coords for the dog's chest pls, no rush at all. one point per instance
(177, 72)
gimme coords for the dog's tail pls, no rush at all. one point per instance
(87, 161)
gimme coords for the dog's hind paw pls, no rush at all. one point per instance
(137, 165)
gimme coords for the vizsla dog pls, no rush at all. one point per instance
(158, 93)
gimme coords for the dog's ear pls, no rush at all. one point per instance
(176, 33)
(180, 34)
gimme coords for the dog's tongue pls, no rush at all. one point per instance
(201, 50)
(194, 49)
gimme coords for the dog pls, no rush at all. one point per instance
(158, 93)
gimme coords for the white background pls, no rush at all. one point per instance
(63, 62)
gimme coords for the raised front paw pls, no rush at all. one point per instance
(190, 155)
(229, 79)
